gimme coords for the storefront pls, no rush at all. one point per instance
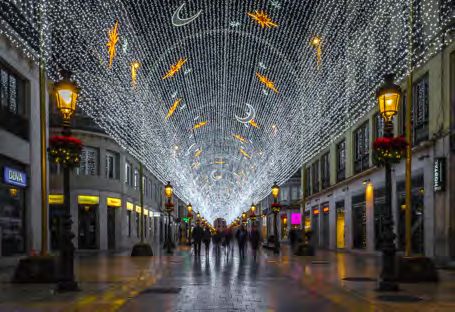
(88, 221)
(315, 226)
(379, 213)
(13, 189)
(359, 222)
(325, 226)
(340, 225)
(56, 211)
(113, 204)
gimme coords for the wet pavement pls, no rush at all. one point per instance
(327, 282)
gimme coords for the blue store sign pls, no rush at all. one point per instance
(14, 177)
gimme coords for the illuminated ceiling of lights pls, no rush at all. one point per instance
(229, 95)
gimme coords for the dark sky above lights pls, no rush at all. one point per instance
(238, 150)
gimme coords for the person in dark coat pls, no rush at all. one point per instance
(255, 239)
(241, 236)
(207, 238)
(198, 234)
(292, 237)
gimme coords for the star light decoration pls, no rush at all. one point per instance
(362, 41)
(262, 19)
(175, 68)
(112, 43)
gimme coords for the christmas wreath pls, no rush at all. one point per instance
(276, 207)
(65, 150)
(389, 150)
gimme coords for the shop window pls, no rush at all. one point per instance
(112, 165)
(89, 162)
(12, 220)
(341, 161)
(340, 224)
(325, 170)
(361, 148)
(315, 177)
(128, 221)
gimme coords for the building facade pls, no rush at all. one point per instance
(344, 191)
(290, 215)
(20, 185)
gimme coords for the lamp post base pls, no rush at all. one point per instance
(66, 286)
(36, 269)
(385, 285)
(142, 250)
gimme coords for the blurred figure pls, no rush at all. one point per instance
(198, 234)
(217, 238)
(227, 240)
(255, 239)
(292, 237)
(241, 236)
(207, 238)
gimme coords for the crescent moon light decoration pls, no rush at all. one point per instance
(177, 21)
(250, 115)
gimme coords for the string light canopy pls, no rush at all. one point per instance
(201, 63)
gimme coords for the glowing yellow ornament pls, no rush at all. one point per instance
(200, 125)
(316, 42)
(267, 82)
(253, 123)
(198, 153)
(173, 108)
(175, 68)
(112, 43)
(262, 19)
(134, 68)
(244, 153)
(239, 138)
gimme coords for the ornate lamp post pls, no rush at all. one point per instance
(388, 96)
(66, 93)
(168, 191)
(276, 209)
(244, 218)
(252, 213)
(190, 218)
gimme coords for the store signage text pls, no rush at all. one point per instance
(439, 176)
(14, 177)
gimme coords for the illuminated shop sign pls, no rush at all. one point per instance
(55, 199)
(88, 200)
(14, 177)
(295, 218)
(114, 202)
(439, 174)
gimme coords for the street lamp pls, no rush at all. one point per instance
(252, 213)
(168, 191)
(276, 209)
(388, 96)
(66, 93)
(189, 208)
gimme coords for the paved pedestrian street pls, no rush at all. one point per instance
(183, 282)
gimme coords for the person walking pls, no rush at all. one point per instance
(198, 233)
(207, 238)
(227, 240)
(217, 238)
(241, 240)
(255, 239)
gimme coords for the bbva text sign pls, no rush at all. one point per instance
(14, 177)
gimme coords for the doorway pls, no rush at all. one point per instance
(88, 221)
(111, 228)
(340, 224)
(359, 222)
(315, 227)
(325, 226)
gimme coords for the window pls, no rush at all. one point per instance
(89, 162)
(307, 182)
(149, 188)
(420, 103)
(315, 177)
(284, 194)
(112, 165)
(341, 161)
(378, 123)
(361, 148)
(11, 92)
(325, 170)
(128, 174)
(295, 195)
(136, 179)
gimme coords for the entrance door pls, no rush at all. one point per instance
(111, 228)
(88, 226)
(325, 228)
(315, 227)
(359, 225)
(55, 217)
(340, 224)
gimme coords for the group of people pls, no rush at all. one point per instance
(223, 238)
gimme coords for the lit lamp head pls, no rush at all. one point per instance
(253, 208)
(275, 191)
(66, 93)
(189, 207)
(168, 190)
(388, 96)
(198, 215)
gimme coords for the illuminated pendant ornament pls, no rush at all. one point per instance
(250, 115)
(200, 125)
(316, 42)
(175, 68)
(173, 108)
(198, 152)
(254, 124)
(267, 82)
(177, 21)
(262, 19)
(112, 42)
(244, 153)
(134, 68)
(219, 162)
(234, 24)
(239, 138)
